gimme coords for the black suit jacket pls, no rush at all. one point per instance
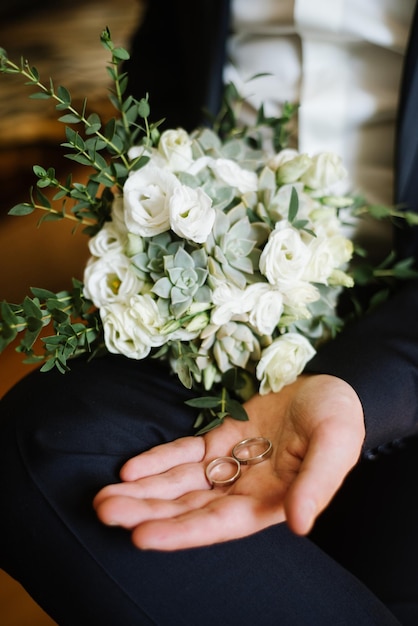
(179, 61)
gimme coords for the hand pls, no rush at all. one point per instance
(317, 429)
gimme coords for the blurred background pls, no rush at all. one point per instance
(62, 40)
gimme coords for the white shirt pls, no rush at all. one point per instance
(342, 61)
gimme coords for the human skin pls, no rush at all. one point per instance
(316, 425)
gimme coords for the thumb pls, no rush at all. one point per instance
(333, 450)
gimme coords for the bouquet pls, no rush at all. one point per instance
(221, 252)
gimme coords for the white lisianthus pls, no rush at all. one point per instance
(191, 213)
(282, 362)
(322, 261)
(282, 157)
(176, 147)
(119, 332)
(342, 249)
(230, 303)
(148, 318)
(325, 171)
(132, 330)
(285, 256)
(110, 278)
(299, 294)
(108, 239)
(266, 309)
(231, 174)
(291, 170)
(147, 194)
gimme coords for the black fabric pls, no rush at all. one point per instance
(53, 461)
(177, 58)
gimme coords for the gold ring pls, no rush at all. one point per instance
(252, 451)
(223, 471)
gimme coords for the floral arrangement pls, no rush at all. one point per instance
(222, 251)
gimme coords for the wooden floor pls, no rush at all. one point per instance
(62, 40)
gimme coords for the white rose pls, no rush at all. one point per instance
(176, 147)
(108, 239)
(110, 278)
(191, 213)
(322, 261)
(325, 171)
(230, 303)
(230, 173)
(147, 194)
(282, 361)
(299, 294)
(282, 157)
(132, 330)
(285, 256)
(148, 318)
(266, 307)
(119, 331)
(292, 170)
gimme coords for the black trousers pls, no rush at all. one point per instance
(62, 437)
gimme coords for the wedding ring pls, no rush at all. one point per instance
(223, 471)
(252, 451)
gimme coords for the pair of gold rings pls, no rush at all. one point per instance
(225, 470)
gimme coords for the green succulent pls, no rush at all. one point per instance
(184, 280)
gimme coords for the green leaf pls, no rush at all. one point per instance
(64, 95)
(69, 118)
(31, 309)
(120, 54)
(205, 402)
(236, 410)
(42, 294)
(7, 314)
(21, 209)
(293, 205)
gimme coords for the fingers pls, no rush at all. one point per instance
(129, 512)
(169, 485)
(222, 519)
(332, 452)
(163, 457)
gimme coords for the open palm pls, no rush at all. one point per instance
(317, 429)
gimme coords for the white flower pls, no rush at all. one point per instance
(230, 303)
(132, 329)
(110, 278)
(108, 239)
(299, 294)
(322, 261)
(230, 173)
(176, 147)
(266, 309)
(147, 194)
(282, 361)
(282, 157)
(325, 171)
(259, 304)
(191, 213)
(292, 170)
(285, 256)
